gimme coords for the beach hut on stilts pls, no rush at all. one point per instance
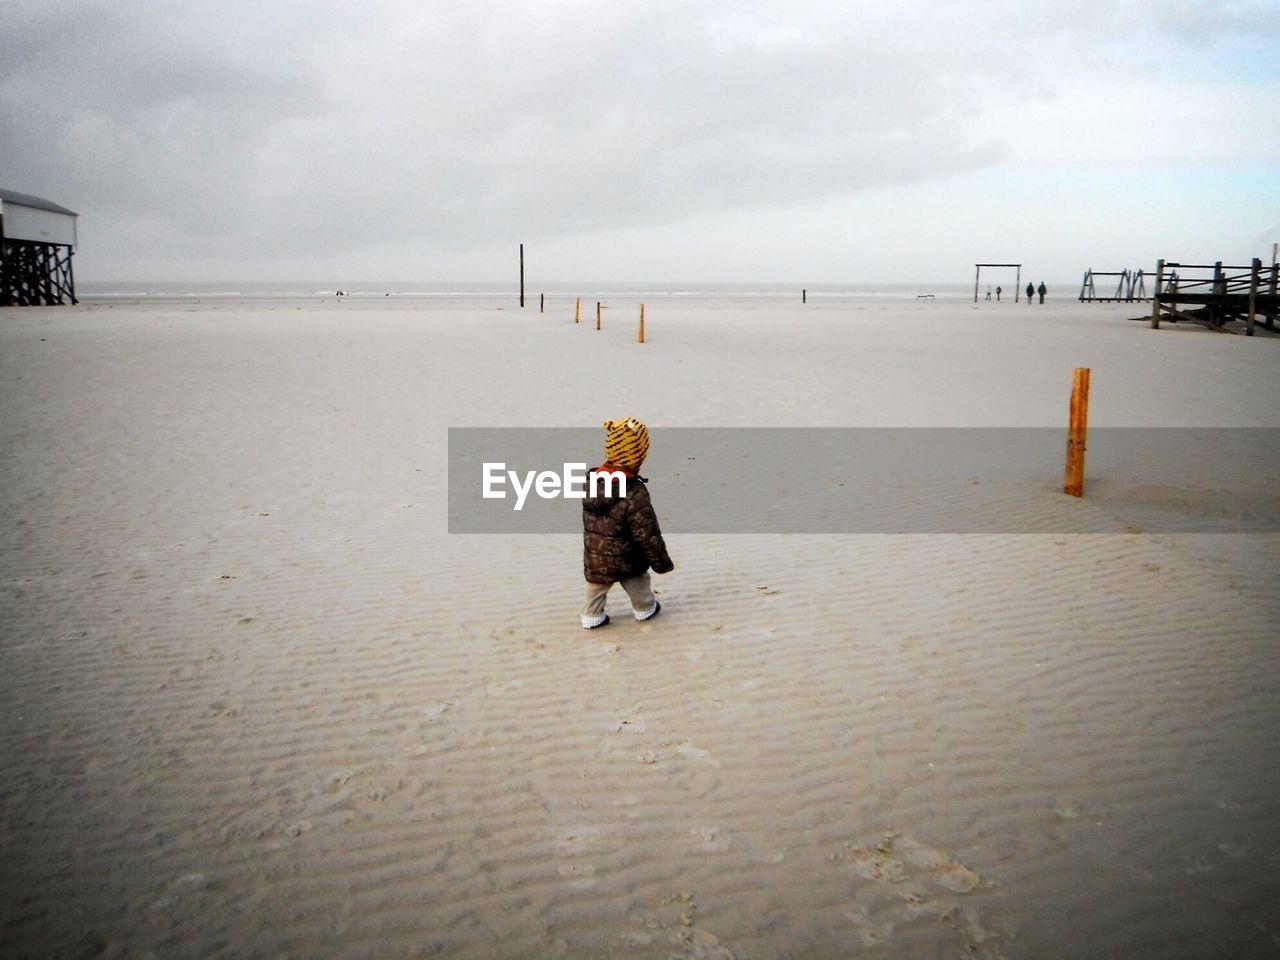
(37, 242)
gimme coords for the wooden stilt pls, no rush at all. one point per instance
(1073, 484)
(597, 314)
(1255, 275)
(641, 323)
(1155, 301)
(522, 274)
(542, 303)
(1270, 322)
(577, 305)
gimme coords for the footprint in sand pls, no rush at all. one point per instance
(889, 862)
(955, 877)
(699, 945)
(872, 864)
(944, 871)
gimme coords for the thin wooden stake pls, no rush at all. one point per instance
(542, 302)
(1073, 484)
(597, 314)
(522, 274)
(642, 323)
(577, 305)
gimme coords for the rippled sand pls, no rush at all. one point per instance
(258, 703)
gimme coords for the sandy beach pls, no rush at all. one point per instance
(258, 702)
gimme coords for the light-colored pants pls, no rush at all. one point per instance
(643, 604)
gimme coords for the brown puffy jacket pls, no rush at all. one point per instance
(620, 535)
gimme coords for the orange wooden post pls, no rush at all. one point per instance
(577, 305)
(597, 314)
(642, 323)
(1073, 485)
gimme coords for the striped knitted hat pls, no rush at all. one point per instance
(626, 442)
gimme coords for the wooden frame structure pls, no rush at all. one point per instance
(1131, 286)
(36, 251)
(1017, 283)
(35, 274)
(1216, 294)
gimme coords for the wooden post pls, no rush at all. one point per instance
(542, 302)
(1270, 323)
(1017, 285)
(577, 305)
(977, 272)
(1255, 275)
(522, 274)
(71, 276)
(597, 314)
(1219, 287)
(1073, 485)
(642, 323)
(804, 296)
(1155, 300)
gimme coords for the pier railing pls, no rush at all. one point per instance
(1216, 293)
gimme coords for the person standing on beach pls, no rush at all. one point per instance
(621, 539)
(1031, 292)
(1042, 290)
(997, 294)
(988, 293)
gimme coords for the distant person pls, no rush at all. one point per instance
(997, 294)
(621, 540)
(1031, 292)
(1042, 290)
(988, 292)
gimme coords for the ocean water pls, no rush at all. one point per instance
(588, 290)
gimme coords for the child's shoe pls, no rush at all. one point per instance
(587, 623)
(657, 609)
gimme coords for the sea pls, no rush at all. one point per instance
(587, 290)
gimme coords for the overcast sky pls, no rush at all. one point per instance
(725, 140)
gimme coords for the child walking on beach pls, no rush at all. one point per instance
(621, 540)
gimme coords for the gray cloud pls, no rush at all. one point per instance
(201, 128)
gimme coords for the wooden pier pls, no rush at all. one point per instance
(1215, 295)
